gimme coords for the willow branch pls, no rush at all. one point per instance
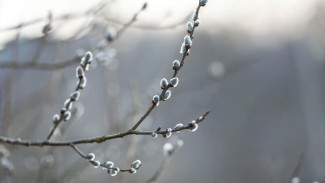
(83, 155)
(185, 54)
(99, 139)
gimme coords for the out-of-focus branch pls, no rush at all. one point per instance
(152, 26)
(297, 169)
(158, 172)
(92, 10)
(8, 89)
(60, 65)
(39, 49)
(41, 66)
(168, 150)
(95, 10)
(96, 139)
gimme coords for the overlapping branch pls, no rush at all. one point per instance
(32, 64)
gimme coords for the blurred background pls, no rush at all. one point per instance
(257, 64)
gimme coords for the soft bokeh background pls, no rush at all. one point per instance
(257, 64)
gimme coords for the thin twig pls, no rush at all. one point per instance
(92, 161)
(134, 18)
(100, 139)
(159, 170)
(78, 151)
(137, 124)
(162, 165)
(297, 169)
(151, 26)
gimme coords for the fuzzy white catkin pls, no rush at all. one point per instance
(168, 149)
(154, 134)
(96, 164)
(167, 95)
(195, 15)
(68, 104)
(176, 64)
(75, 95)
(194, 126)
(178, 126)
(197, 22)
(132, 170)
(163, 83)
(108, 164)
(155, 100)
(169, 133)
(82, 83)
(190, 26)
(88, 57)
(295, 180)
(113, 172)
(183, 48)
(187, 40)
(136, 164)
(66, 115)
(91, 157)
(56, 118)
(174, 82)
(86, 67)
(80, 72)
(83, 63)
